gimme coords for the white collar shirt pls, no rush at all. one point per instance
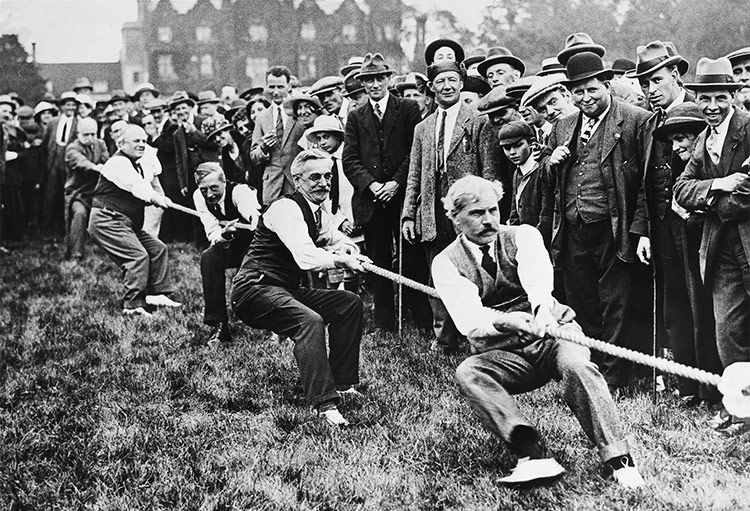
(717, 136)
(382, 104)
(451, 115)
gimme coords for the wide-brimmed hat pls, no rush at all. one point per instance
(551, 66)
(517, 89)
(43, 106)
(250, 93)
(541, 87)
(476, 56)
(476, 84)
(326, 84)
(146, 86)
(622, 66)
(354, 64)
(208, 97)
(584, 66)
(578, 43)
(67, 96)
(713, 74)
(683, 118)
(5, 99)
(374, 65)
(514, 131)
(434, 46)
(212, 126)
(82, 83)
(118, 95)
(494, 101)
(180, 97)
(740, 54)
(324, 124)
(652, 57)
(296, 98)
(85, 99)
(500, 55)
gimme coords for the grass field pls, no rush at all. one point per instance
(98, 411)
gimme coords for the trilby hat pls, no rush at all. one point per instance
(578, 43)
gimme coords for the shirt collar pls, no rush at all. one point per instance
(478, 251)
(338, 153)
(603, 114)
(313, 207)
(451, 110)
(383, 103)
(527, 166)
(678, 100)
(724, 126)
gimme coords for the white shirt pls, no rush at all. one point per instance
(64, 121)
(383, 104)
(717, 136)
(526, 169)
(161, 125)
(678, 100)
(346, 192)
(275, 109)
(598, 119)
(284, 217)
(461, 296)
(451, 114)
(123, 174)
(243, 197)
(149, 159)
(344, 110)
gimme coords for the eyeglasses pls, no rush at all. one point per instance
(317, 176)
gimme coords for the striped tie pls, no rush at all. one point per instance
(586, 134)
(440, 149)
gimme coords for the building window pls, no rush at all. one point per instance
(164, 34)
(207, 66)
(166, 69)
(203, 34)
(307, 67)
(307, 31)
(349, 33)
(136, 77)
(255, 69)
(388, 32)
(258, 33)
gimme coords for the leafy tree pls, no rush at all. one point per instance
(17, 73)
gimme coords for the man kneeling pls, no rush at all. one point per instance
(491, 278)
(295, 235)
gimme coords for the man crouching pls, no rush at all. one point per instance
(295, 235)
(496, 283)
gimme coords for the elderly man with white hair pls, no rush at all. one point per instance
(124, 189)
(496, 283)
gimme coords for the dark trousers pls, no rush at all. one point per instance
(302, 314)
(214, 262)
(54, 206)
(731, 292)
(600, 288)
(76, 221)
(382, 233)
(141, 257)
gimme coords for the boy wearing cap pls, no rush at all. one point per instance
(517, 140)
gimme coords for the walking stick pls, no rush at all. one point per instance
(400, 286)
(655, 331)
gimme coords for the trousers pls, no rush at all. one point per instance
(214, 262)
(77, 212)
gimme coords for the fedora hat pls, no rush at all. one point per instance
(354, 64)
(476, 56)
(476, 84)
(622, 66)
(85, 99)
(653, 56)
(374, 65)
(326, 84)
(324, 124)
(352, 84)
(683, 118)
(207, 96)
(500, 55)
(713, 74)
(434, 46)
(551, 66)
(493, 102)
(212, 126)
(517, 89)
(143, 88)
(180, 97)
(584, 66)
(67, 96)
(577, 43)
(541, 87)
(741, 54)
(82, 83)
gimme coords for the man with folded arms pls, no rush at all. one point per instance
(496, 282)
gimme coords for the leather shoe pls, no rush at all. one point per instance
(628, 477)
(529, 470)
(137, 311)
(162, 301)
(221, 333)
(333, 417)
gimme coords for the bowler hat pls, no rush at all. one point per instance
(577, 43)
(250, 93)
(541, 87)
(118, 95)
(494, 101)
(212, 126)
(513, 132)
(742, 53)
(180, 97)
(476, 84)
(354, 64)
(352, 84)
(622, 66)
(443, 66)
(683, 118)
(67, 96)
(476, 56)
(434, 46)
(584, 66)
(713, 74)
(652, 57)
(82, 83)
(207, 97)
(326, 84)
(517, 89)
(146, 86)
(551, 66)
(500, 55)
(374, 65)
(324, 124)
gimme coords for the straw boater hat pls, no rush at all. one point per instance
(156, 104)
(551, 66)
(656, 55)
(541, 87)
(326, 84)
(180, 97)
(741, 54)
(374, 65)
(476, 56)
(714, 75)
(500, 55)
(324, 124)
(683, 118)
(584, 66)
(578, 43)
(354, 64)
(212, 126)
(143, 88)
(434, 46)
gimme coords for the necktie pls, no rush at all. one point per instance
(586, 134)
(441, 144)
(64, 135)
(334, 187)
(319, 219)
(279, 126)
(138, 168)
(711, 145)
(215, 210)
(488, 263)
(378, 112)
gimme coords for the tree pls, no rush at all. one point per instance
(17, 73)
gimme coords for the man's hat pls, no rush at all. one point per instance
(326, 84)
(713, 74)
(500, 55)
(212, 126)
(5, 99)
(434, 46)
(235, 106)
(67, 96)
(653, 56)
(354, 64)
(374, 65)
(514, 131)
(577, 43)
(476, 84)
(25, 112)
(584, 66)
(517, 89)
(683, 118)
(541, 87)
(299, 97)
(413, 81)
(82, 83)
(85, 99)
(156, 104)
(180, 97)
(476, 56)
(443, 66)
(324, 124)
(352, 84)
(208, 97)
(494, 101)
(250, 93)
(622, 66)
(143, 88)
(741, 54)
(118, 95)
(551, 66)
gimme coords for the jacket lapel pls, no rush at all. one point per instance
(390, 117)
(290, 128)
(464, 114)
(735, 134)
(368, 119)
(430, 127)
(612, 129)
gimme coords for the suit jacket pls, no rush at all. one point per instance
(693, 186)
(55, 153)
(529, 202)
(463, 158)
(625, 140)
(82, 161)
(495, 165)
(276, 166)
(192, 149)
(363, 160)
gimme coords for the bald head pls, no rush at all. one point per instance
(87, 129)
(132, 142)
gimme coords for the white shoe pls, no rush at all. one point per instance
(628, 477)
(528, 470)
(162, 301)
(137, 311)
(350, 393)
(334, 418)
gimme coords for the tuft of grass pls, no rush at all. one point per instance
(100, 411)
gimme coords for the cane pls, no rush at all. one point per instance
(654, 333)
(400, 286)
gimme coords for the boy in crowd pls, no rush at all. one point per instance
(518, 141)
